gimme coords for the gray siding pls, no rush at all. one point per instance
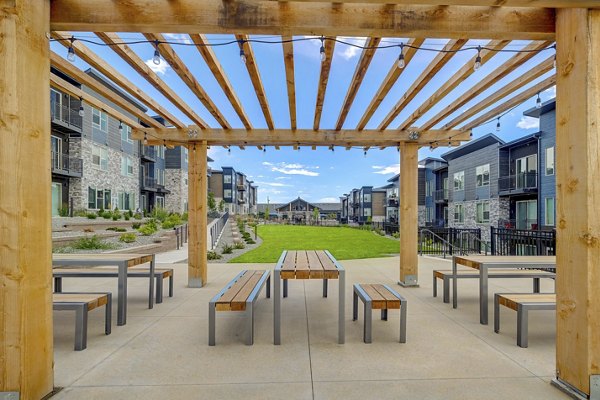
(548, 139)
(468, 163)
(421, 185)
(175, 158)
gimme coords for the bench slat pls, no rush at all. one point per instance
(463, 272)
(93, 300)
(64, 272)
(391, 300)
(302, 266)
(329, 269)
(239, 301)
(316, 268)
(288, 269)
(513, 300)
(377, 300)
(224, 302)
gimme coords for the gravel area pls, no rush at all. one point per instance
(227, 238)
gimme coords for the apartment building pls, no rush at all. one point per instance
(234, 188)
(364, 204)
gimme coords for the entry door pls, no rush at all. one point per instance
(56, 198)
(526, 214)
(526, 172)
(56, 146)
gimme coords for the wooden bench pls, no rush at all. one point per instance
(81, 303)
(160, 275)
(380, 297)
(522, 303)
(239, 294)
(446, 276)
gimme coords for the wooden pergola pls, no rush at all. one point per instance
(26, 353)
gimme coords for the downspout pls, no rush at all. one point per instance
(539, 182)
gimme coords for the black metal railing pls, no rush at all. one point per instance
(521, 181)
(63, 162)
(181, 233)
(440, 195)
(449, 241)
(216, 229)
(392, 202)
(148, 151)
(524, 224)
(65, 114)
(149, 182)
(522, 242)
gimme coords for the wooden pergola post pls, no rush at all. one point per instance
(197, 209)
(408, 218)
(578, 198)
(26, 348)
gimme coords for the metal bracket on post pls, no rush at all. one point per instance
(409, 281)
(9, 396)
(575, 393)
(594, 387)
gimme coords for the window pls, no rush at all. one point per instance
(226, 178)
(98, 198)
(185, 154)
(483, 175)
(160, 202)
(428, 188)
(185, 181)
(550, 161)
(227, 193)
(126, 133)
(429, 214)
(160, 151)
(459, 213)
(550, 211)
(99, 120)
(100, 157)
(459, 181)
(126, 166)
(367, 197)
(126, 201)
(483, 212)
(367, 212)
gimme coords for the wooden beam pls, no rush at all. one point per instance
(389, 81)
(168, 53)
(288, 58)
(68, 68)
(506, 90)
(323, 79)
(304, 137)
(491, 79)
(263, 17)
(198, 209)
(26, 336)
(408, 214)
(135, 62)
(254, 73)
(513, 102)
(463, 73)
(217, 70)
(439, 61)
(490, 3)
(578, 194)
(111, 73)
(359, 74)
(59, 83)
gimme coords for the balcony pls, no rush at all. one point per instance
(523, 183)
(148, 152)
(440, 195)
(63, 164)
(241, 200)
(149, 183)
(241, 187)
(64, 118)
(393, 202)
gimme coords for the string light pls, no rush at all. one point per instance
(120, 126)
(71, 50)
(156, 58)
(538, 101)
(332, 148)
(242, 53)
(498, 125)
(477, 59)
(145, 139)
(229, 151)
(401, 64)
(322, 49)
(81, 110)
(194, 147)
(365, 153)
(264, 149)
(554, 47)
(165, 144)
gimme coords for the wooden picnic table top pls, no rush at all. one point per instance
(100, 259)
(308, 264)
(517, 261)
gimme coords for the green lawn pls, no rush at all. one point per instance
(344, 243)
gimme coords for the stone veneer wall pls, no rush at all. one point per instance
(97, 178)
(421, 217)
(499, 209)
(176, 183)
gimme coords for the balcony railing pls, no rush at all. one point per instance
(522, 223)
(392, 202)
(241, 187)
(440, 195)
(149, 182)
(65, 114)
(525, 182)
(65, 164)
(148, 152)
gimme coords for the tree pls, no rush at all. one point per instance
(212, 204)
(222, 205)
(315, 215)
(267, 212)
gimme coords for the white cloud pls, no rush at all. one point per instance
(274, 184)
(551, 93)
(178, 38)
(386, 170)
(528, 123)
(160, 69)
(295, 171)
(348, 52)
(328, 200)
(282, 177)
(292, 169)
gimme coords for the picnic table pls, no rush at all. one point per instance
(308, 264)
(122, 261)
(484, 263)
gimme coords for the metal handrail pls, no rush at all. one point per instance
(444, 241)
(486, 245)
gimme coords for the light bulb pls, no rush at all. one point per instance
(145, 140)
(71, 54)
(81, 111)
(477, 63)
(323, 56)
(120, 126)
(498, 126)
(538, 102)
(554, 63)
(365, 154)
(242, 56)
(156, 58)
(401, 64)
(229, 151)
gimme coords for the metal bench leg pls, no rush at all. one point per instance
(324, 287)
(269, 287)
(57, 285)
(250, 323)
(447, 290)
(536, 285)
(434, 286)
(211, 323)
(354, 306)
(171, 285)
(496, 313)
(384, 314)
(522, 328)
(403, 307)
(81, 322)
(285, 287)
(159, 289)
(108, 316)
(368, 320)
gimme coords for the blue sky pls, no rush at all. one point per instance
(319, 175)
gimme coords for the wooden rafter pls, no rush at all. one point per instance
(389, 82)
(168, 53)
(59, 83)
(217, 70)
(424, 78)
(513, 102)
(491, 3)
(513, 86)
(68, 68)
(288, 58)
(499, 73)
(135, 62)
(259, 89)
(463, 73)
(359, 74)
(264, 17)
(299, 137)
(111, 73)
(323, 79)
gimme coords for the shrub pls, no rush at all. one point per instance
(146, 230)
(138, 216)
(160, 213)
(213, 214)
(101, 212)
(91, 216)
(213, 255)
(107, 215)
(64, 210)
(126, 216)
(129, 213)
(250, 241)
(80, 213)
(116, 217)
(184, 216)
(396, 235)
(239, 245)
(92, 243)
(136, 225)
(172, 221)
(127, 237)
(227, 249)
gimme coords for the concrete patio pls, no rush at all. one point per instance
(163, 352)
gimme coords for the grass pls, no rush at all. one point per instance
(343, 243)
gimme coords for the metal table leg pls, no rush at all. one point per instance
(151, 290)
(277, 308)
(342, 306)
(403, 307)
(368, 321)
(250, 323)
(354, 305)
(211, 323)
(108, 315)
(324, 287)
(81, 324)
(496, 313)
(454, 284)
(483, 294)
(122, 302)
(285, 288)
(522, 326)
